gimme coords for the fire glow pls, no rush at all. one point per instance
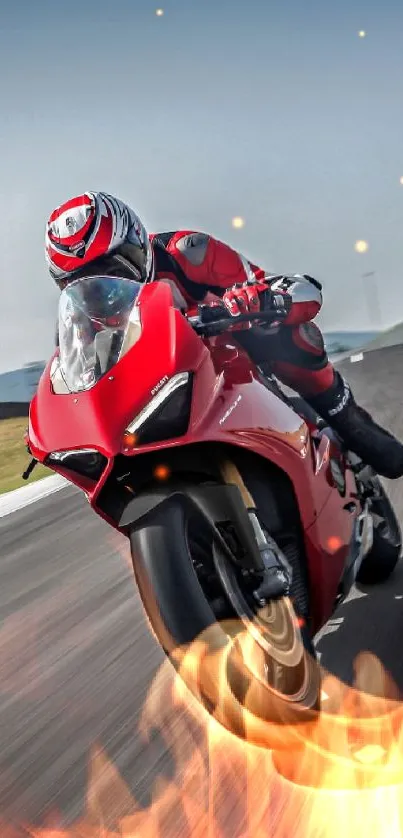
(343, 776)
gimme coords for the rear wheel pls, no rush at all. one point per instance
(385, 553)
(254, 669)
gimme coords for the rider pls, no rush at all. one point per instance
(96, 233)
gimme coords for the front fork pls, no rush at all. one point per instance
(277, 573)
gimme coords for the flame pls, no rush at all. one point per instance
(345, 777)
(340, 774)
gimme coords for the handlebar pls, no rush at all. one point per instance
(212, 320)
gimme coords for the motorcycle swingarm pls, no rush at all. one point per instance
(217, 504)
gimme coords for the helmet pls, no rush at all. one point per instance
(96, 233)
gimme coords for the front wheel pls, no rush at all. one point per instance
(254, 669)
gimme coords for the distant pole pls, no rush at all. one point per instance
(372, 298)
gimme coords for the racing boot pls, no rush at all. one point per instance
(358, 431)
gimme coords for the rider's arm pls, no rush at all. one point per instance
(206, 263)
(211, 265)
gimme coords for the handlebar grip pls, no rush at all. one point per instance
(212, 320)
(209, 314)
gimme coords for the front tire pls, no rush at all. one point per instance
(251, 671)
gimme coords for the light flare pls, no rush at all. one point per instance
(361, 246)
(238, 222)
(162, 472)
(129, 440)
(334, 543)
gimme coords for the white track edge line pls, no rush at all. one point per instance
(26, 495)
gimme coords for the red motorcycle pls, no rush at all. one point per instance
(247, 520)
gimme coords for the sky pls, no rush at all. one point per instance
(272, 110)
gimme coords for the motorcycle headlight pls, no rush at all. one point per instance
(84, 461)
(166, 416)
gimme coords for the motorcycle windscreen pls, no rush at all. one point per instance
(98, 323)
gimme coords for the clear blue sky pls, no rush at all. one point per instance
(275, 111)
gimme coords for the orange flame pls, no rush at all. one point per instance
(345, 778)
(343, 774)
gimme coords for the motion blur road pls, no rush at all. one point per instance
(77, 658)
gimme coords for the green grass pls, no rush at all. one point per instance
(14, 457)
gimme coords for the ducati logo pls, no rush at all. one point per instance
(71, 224)
(159, 385)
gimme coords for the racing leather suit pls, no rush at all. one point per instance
(197, 265)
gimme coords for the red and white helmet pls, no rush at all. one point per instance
(97, 233)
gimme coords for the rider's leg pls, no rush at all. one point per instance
(301, 362)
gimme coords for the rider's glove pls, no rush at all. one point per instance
(254, 296)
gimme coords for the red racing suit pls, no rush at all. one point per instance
(197, 265)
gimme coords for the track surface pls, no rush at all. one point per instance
(77, 659)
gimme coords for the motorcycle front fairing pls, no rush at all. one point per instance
(95, 412)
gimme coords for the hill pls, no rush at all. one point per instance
(337, 342)
(392, 337)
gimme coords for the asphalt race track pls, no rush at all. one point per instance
(77, 658)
